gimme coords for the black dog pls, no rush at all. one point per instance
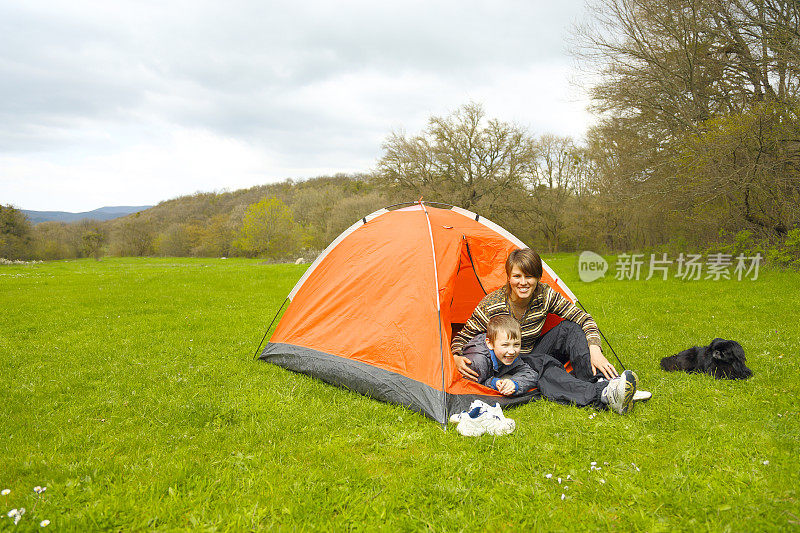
(721, 359)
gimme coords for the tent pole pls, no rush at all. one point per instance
(471, 262)
(604, 337)
(438, 311)
(270, 327)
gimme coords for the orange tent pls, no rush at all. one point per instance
(376, 311)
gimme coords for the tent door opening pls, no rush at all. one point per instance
(468, 289)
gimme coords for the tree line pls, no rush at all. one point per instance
(698, 113)
(276, 221)
(696, 146)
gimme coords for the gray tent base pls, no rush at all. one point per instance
(378, 383)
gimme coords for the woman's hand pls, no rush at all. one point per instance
(599, 362)
(464, 368)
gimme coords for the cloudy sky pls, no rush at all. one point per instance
(132, 103)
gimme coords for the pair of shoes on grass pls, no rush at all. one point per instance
(620, 392)
(483, 418)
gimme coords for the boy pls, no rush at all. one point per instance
(495, 357)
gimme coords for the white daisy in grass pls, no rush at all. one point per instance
(44, 523)
(38, 490)
(16, 514)
(5, 492)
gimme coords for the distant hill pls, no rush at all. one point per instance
(104, 213)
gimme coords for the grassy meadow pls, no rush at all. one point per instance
(128, 388)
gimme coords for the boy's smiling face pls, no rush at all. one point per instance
(504, 347)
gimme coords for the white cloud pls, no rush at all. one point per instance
(182, 162)
(136, 102)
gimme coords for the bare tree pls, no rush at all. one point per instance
(676, 63)
(708, 91)
(555, 181)
(463, 159)
(133, 236)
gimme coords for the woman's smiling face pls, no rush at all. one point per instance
(521, 284)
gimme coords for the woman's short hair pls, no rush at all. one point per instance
(527, 260)
(504, 323)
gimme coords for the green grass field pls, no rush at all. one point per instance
(129, 390)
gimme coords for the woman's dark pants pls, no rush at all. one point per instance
(565, 342)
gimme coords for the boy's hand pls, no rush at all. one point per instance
(464, 368)
(506, 387)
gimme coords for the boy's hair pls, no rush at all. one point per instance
(504, 323)
(527, 260)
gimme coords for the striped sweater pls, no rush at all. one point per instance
(544, 301)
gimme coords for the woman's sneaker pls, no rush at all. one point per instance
(620, 391)
(480, 420)
(642, 395)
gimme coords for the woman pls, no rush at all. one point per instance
(575, 339)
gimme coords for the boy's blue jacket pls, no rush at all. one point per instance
(490, 369)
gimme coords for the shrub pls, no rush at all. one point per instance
(787, 253)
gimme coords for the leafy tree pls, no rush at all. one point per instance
(268, 229)
(15, 229)
(53, 240)
(743, 160)
(92, 244)
(217, 236)
(173, 242)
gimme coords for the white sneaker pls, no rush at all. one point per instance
(480, 420)
(620, 391)
(455, 418)
(495, 409)
(498, 412)
(642, 395)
